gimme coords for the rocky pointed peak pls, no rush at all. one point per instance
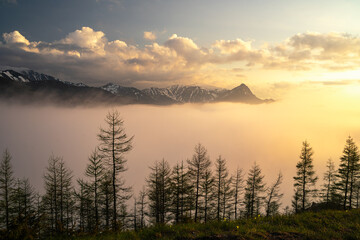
(242, 87)
(241, 93)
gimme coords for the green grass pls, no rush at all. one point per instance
(328, 224)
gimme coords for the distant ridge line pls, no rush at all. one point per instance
(26, 85)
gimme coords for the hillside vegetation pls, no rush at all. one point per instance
(328, 224)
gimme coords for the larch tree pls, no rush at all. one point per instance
(85, 207)
(65, 193)
(329, 186)
(207, 186)
(95, 171)
(197, 166)
(51, 200)
(159, 192)
(17, 199)
(254, 191)
(114, 143)
(274, 197)
(295, 202)
(226, 198)
(39, 215)
(142, 203)
(181, 190)
(165, 190)
(305, 178)
(23, 200)
(154, 193)
(238, 187)
(28, 198)
(348, 172)
(125, 217)
(23, 221)
(6, 186)
(176, 187)
(135, 216)
(105, 200)
(59, 194)
(221, 174)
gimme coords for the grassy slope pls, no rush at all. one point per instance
(309, 225)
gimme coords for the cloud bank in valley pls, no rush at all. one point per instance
(89, 56)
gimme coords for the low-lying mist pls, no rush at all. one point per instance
(270, 134)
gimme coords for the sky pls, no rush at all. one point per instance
(271, 46)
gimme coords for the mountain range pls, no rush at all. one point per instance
(27, 86)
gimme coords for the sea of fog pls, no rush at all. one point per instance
(269, 134)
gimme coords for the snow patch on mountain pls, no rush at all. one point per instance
(10, 74)
(110, 87)
(185, 94)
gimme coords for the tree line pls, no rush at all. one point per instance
(195, 190)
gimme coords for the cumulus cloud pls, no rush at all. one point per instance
(330, 50)
(87, 55)
(150, 36)
(232, 46)
(15, 37)
(87, 39)
(186, 49)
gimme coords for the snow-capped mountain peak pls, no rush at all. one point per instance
(29, 82)
(24, 74)
(20, 74)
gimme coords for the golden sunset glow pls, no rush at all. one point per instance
(328, 58)
(241, 113)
